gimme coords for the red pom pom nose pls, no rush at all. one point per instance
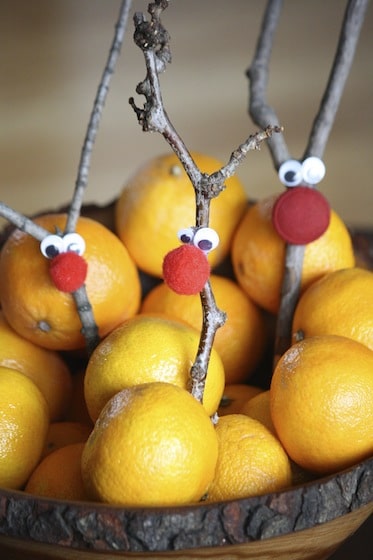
(301, 215)
(68, 271)
(186, 270)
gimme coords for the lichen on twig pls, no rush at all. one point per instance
(153, 39)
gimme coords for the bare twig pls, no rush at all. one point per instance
(153, 40)
(89, 327)
(254, 142)
(213, 319)
(260, 111)
(22, 222)
(290, 291)
(83, 306)
(348, 39)
(258, 73)
(98, 106)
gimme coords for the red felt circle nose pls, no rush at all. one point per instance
(68, 271)
(301, 215)
(186, 270)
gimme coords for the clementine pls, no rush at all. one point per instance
(153, 445)
(258, 254)
(321, 398)
(45, 367)
(339, 303)
(24, 420)
(251, 460)
(240, 342)
(159, 200)
(59, 475)
(148, 348)
(40, 312)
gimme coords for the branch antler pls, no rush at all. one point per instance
(83, 306)
(258, 74)
(262, 112)
(95, 118)
(350, 32)
(153, 40)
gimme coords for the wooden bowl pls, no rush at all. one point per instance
(305, 522)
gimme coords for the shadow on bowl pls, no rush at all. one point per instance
(306, 522)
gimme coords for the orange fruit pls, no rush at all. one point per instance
(159, 200)
(322, 402)
(259, 408)
(58, 475)
(38, 311)
(153, 445)
(339, 303)
(65, 433)
(235, 396)
(148, 348)
(258, 254)
(242, 339)
(45, 367)
(24, 420)
(251, 460)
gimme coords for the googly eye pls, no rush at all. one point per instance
(186, 235)
(313, 170)
(290, 173)
(206, 239)
(74, 242)
(51, 246)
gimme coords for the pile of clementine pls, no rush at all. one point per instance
(126, 424)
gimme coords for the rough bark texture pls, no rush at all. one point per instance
(98, 527)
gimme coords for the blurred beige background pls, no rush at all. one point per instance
(52, 56)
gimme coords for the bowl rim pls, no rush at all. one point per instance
(93, 525)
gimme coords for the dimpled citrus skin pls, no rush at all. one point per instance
(322, 402)
(159, 200)
(251, 460)
(59, 475)
(45, 367)
(24, 420)
(339, 303)
(148, 348)
(258, 254)
(240, 342)
(153, 445)
(47, 316)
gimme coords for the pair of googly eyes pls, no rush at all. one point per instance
(53, 245)
(310, 172)
(204, 238)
